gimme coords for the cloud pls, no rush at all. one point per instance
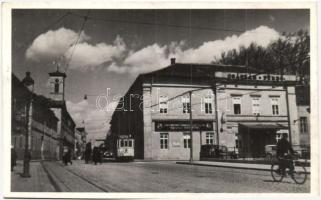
(96, 120)
(59, 44)
(156, 56)
(87, 56)
(53, 44)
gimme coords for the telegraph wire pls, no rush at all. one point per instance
(159, 24)
(78, 38)
(42, 30)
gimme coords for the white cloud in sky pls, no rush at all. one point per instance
(87, 56)
(119, 59)
(96, 120)
(53, 44)
(155, 56)
(59, 43)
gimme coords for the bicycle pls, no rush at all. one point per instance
(299, 174)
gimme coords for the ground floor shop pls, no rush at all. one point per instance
(171, 140)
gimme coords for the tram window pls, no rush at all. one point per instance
(130, 143)
(126, 143)
(121, 143)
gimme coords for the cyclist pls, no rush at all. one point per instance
(284, 154)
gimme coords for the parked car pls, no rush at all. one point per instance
(213, 151)
(108, 154)
(300, 152)
(270, 152)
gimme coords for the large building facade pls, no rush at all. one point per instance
(31, 112)
(237, 107)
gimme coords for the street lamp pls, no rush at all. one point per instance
(29, 83)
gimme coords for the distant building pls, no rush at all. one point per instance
(66, 125)
(253, 110)
(303, 102)
(43, 135)
(80, 141)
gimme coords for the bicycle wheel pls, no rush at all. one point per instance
(299, 174)
(276, 173)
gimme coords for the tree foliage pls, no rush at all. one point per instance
(290, 54)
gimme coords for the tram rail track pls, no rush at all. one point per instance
(62, 186)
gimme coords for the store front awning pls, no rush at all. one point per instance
(262, 126)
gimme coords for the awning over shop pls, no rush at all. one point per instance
(262, 126)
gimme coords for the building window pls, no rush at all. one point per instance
(163, 106)
(186, 105)
(275, 106)
(187, 140)
(164, 140)
(208, 105)
(56, 85)
(303, 124)
(237, 105)
(210, 138)
(256, 105)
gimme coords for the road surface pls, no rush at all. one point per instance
(166, 176)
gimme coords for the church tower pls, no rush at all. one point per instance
(57, 86)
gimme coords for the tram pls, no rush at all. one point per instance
(125, 148)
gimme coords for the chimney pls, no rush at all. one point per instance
(173, 61)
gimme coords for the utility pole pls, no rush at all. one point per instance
(191, 125)
(214, 88)
(29, 83)
(288, 112)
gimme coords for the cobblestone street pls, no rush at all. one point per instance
(163, 176)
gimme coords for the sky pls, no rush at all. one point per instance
(111, 47)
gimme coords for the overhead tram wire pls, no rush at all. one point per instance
(159, 24)
(75, 44)
(42, 30)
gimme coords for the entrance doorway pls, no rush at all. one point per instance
(256, 136)
(259, 138)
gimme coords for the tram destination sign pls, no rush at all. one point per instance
(183, 126)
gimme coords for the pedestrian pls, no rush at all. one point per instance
(13, 158)
(100, 155)
(87, 152)
(65, 156)
(69, 156)
(95, 155)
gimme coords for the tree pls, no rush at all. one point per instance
(290, 54)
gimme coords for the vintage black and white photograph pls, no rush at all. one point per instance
(176, 100)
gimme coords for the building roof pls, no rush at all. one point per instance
(58, 73)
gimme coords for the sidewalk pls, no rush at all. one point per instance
(38, 182)
(248, 166)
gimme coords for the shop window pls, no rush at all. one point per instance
(163, 106)
(186, 104)
(210, 138)
(187, 140)
(256, 105)
(275, 105)
(164, 140)
(303, 124)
